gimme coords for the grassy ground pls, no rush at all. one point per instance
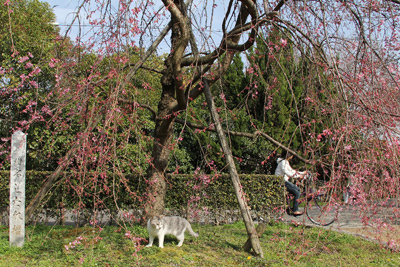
(217, 246)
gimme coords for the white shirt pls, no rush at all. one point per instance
(286, 171)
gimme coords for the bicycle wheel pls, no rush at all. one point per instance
(320, 210)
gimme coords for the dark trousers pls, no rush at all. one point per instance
(295, 191)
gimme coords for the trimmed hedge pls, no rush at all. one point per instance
(264, 192)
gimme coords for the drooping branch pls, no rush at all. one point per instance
(315, 45)
(143, 67)
(280, 5)
(230, 40)
(252, 10)
(243, 134)
(212, 129)
(229, 45)
(148, 53)
(193, 92)
(33, 205)
(282, 146)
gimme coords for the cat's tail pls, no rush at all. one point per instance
(190, 230)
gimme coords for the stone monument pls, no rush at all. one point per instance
(17, 189)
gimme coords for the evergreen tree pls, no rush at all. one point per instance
(283, 78)
(279, 88)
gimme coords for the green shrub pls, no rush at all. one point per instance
(262, 192)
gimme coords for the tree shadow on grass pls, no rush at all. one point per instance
(233, 246)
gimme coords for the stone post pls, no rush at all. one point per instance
(17, 189)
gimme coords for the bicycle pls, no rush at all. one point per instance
(317, 202)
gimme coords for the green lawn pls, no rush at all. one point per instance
(217, 246)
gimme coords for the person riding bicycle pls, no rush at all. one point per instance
(284, 169)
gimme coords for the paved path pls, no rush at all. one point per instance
(348, 218)
(349, 222)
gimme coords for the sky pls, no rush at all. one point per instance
(64, 11)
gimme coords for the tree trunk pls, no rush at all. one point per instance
(160, 156)
(251, 230)
(171, 90)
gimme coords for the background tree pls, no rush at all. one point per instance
(28, 42)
